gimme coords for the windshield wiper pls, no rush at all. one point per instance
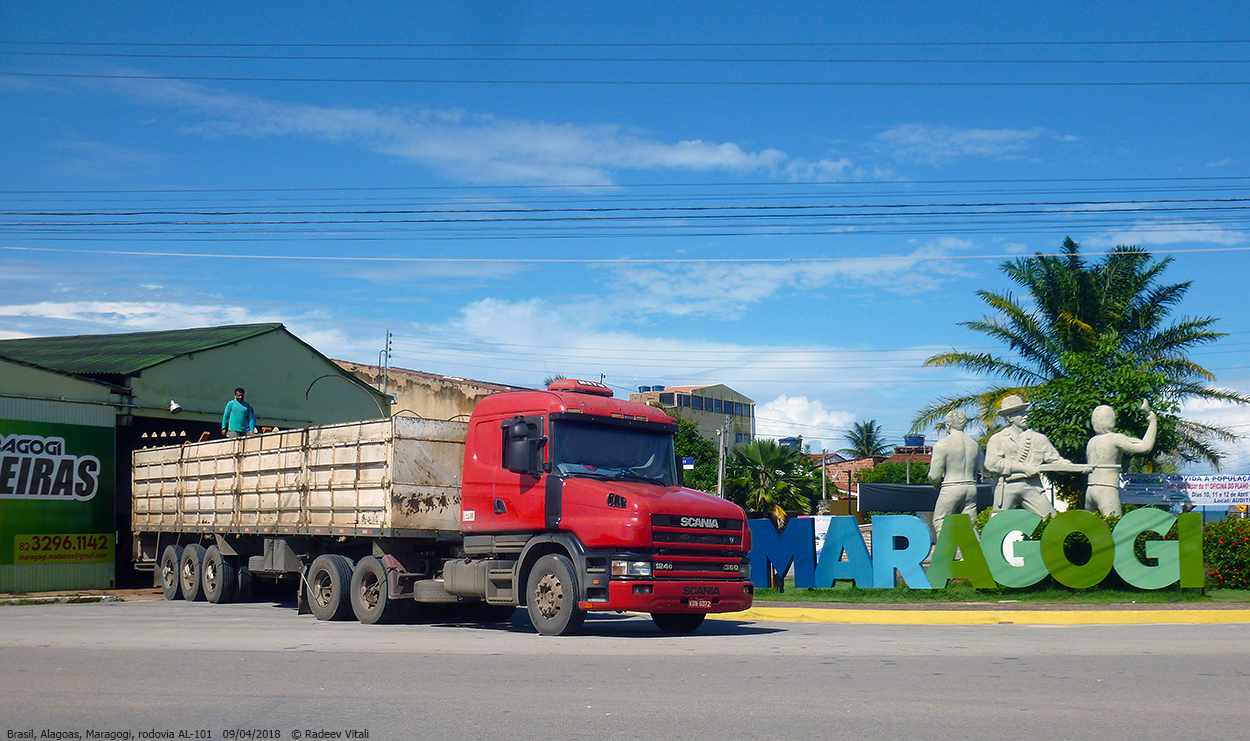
(643, 477)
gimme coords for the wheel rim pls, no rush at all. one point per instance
(549, 595)
(323, 588)
(169, 573)
(370, 591)
(210, 576)
(189, 575)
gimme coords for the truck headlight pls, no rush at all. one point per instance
(631, 568)
(744, 571)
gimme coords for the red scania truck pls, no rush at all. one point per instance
(566, 501)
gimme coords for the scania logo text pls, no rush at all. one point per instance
(700, 590)
(708, 522)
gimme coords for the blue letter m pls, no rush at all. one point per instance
(771, 550)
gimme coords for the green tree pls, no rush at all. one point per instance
(865, 440)
(766, 478)
(690, 444)
(894, 472)
(1075, 316)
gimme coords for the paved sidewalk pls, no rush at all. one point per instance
(926, 613)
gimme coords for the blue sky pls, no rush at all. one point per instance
(799, 204)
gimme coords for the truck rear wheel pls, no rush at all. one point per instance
(678, 623)
(329, 580)
(190, 570)
(371, 593)
(171, 558)
(221, 579)
(551, 593)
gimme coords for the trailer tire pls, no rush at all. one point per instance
(190, 572)
(371, 593)
(169, 566)
(551, 597)
(678, 623)
(221, 581)
(329, 581)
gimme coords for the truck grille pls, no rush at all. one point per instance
(701, 532)
(697, 547)
(697, 567)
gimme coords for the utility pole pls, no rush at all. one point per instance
(386, 369)
(721, 436)
(824, 478)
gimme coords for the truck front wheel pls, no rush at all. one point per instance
(678, 623)
(552, 597)
(329, 580)
(371, 594)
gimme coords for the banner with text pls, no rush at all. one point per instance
(1212, 491)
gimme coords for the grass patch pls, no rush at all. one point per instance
(1044, 593)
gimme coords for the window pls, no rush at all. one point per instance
(717, 406)
(683, 400)
(698, 402)
(666, 399)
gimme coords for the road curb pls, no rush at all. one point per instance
(64, 599)
(986, 617)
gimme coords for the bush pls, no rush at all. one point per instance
(1226, 548)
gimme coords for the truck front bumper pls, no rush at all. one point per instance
(676, 596)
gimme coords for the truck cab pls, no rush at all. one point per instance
(571, 502)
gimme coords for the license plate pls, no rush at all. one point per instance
(700, 603)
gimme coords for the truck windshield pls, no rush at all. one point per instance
(612, 452)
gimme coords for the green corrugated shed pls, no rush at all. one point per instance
(124, 354)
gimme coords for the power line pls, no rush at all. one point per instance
(638, 45)
(649, 60)
(660, 83)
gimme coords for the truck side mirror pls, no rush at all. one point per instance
(522, 446)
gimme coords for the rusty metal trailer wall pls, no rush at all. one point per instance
(380, 478)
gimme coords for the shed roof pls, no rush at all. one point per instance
(124, 354)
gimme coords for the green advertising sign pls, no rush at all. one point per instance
(56, 493)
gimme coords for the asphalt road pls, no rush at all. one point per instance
(206, 670)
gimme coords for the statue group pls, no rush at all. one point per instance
(1018, 456)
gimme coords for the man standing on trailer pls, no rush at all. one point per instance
(239, 418)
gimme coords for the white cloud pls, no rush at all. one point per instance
(133, 315)
(936, 144)
(1229, 416)
(475, 147)
(730, 290)
(1160, 233)
(788, 416)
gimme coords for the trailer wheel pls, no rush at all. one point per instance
(678, 623)
(190, 570)
(371, 594)
(552, 597)
(329, 579)
(171, 559)
(220, 579)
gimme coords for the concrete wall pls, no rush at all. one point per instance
(424, 394)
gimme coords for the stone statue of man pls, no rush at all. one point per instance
(1103, 452)
(953, 469)
(1018, 455)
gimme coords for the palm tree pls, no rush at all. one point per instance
(1077, 309)
(766, 477)
(865, 441)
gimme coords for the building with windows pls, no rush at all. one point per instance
(709, 407)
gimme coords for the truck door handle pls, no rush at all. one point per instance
(500, 507)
